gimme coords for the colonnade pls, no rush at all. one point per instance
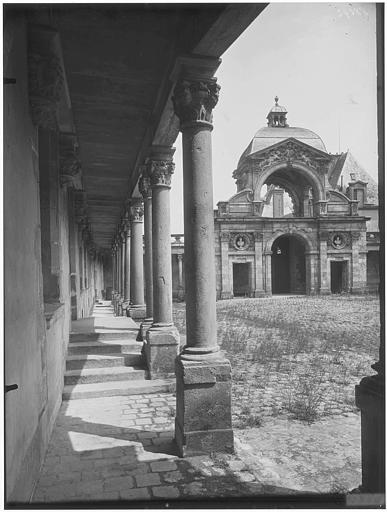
(203, 375)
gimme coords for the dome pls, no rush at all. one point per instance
(278, 108)
(268, 136)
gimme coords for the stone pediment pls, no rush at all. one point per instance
(289, 152)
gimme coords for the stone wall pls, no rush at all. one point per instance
(42, 281)
(26, 409)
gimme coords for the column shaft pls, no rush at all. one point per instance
(127, 266)
(162, 271)
(136, 265)
(148, 257)
(200, 283)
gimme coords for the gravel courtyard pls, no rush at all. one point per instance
(296, 361)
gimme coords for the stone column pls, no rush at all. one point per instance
(258, 239)
(137, 308)
(359, 262)
(203, 375)
(162, 339)
(146, 192)
(226, 288)
(324, 282)
(123, 271)
(268, 255)
(311, 271)
(180, 284)
(127, 262)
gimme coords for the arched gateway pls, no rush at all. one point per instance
(298, 221)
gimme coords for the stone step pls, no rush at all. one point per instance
(120, 388)
(106, 347)
(128, 334)
(79, 361)
(94, 375)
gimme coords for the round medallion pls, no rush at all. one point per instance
(338, 240)
(241, 242)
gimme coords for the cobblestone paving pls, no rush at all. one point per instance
(121, 448)
(322, 457)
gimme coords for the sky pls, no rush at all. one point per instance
(320, 59)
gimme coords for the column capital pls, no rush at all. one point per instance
(194, 100)
(180, 257)
(136, 210)
(224, 236)
(144, 184)
(69, 164)
(160, 173)
(45, 77)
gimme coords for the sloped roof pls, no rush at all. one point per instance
(267, 136)
(351, 166)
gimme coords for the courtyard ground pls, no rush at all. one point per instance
(296, 361)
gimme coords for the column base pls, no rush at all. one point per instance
(161, 348)
(325, 291)
(137, 312)
(370, 400)
(359, 290)
(144, 327)
(259, 293)
(225, 295)
(203, 406)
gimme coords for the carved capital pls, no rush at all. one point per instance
(136, 211)
(45, 79)
(324, 236)
(355, 235)
(194, 100)
(258, 236)
(160, 173)
(70, 166)
(144, 185)
(224, 236)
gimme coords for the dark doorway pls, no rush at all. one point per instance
(240, 274)
(338, 276)
(288, 272)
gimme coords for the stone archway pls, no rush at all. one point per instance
(288, 265)
(279, 174)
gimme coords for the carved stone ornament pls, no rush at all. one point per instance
(288, 153)
(144, 186)
(338, 240)
(194, 100)
(224, 236)
(240, 241)
(136, 213)
(258, 236)
(160, 172)
(324, 236)
(70, 166)
(45, 78)
(355, 235)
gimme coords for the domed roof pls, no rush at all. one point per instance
(278, 108)
(268, 136)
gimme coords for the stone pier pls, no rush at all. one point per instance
(137, 307)
(162, 338)
(203, 375)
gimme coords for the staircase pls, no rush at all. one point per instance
(107, 361)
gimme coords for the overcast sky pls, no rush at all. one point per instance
(320, 59)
